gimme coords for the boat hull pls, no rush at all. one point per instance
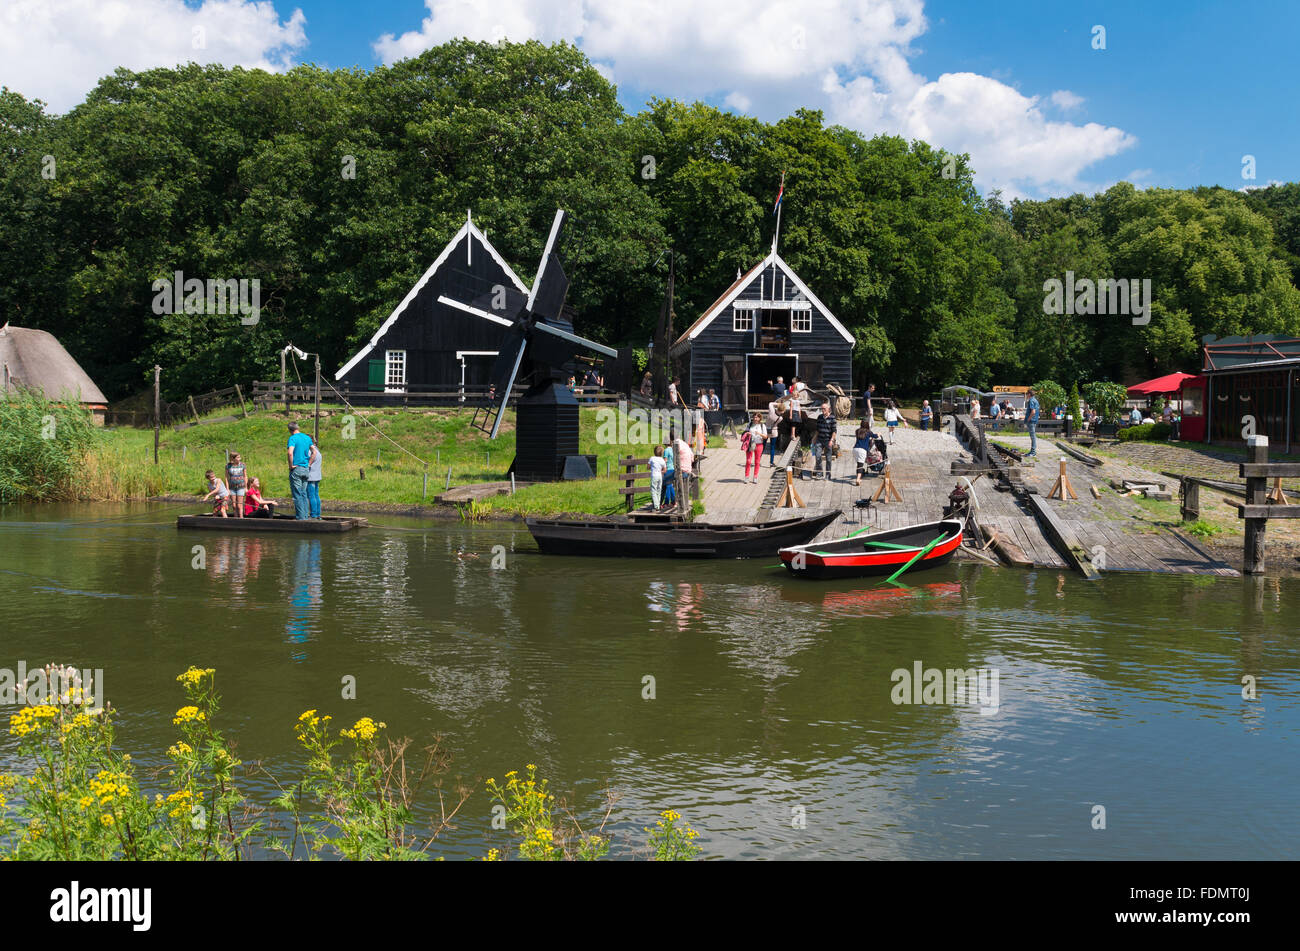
(674, 540)
(280, 523)
(854, 557)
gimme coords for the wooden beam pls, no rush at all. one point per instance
(1269, 470)
(1062, 538)
(1246, 510)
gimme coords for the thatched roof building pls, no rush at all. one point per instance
(35, 359)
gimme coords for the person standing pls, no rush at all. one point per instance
(657, 469)
(773, 421)
(685, 459)
(674, 395)
(867, 395)
(1031, 421)
(826, 431)
(927, 414)
(778, 388)
(237, 482)
(299, 452)
(715, 404)
(647, 385)
(753, 447)
(314, 477)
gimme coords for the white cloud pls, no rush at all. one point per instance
(1065, 100)
(57, 50)
(1012, 145)
(847, 57)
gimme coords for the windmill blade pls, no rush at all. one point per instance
(575, 339)
(504, 371)
(551, 286)
(476, 311)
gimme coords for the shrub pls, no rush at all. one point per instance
(1145, 432)
(1106, 399)
(1072, 403)
(1050, 395)
(43, 446)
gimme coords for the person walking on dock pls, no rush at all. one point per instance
(314, 477)
(1031, 421)
(299, 452)
(752, 443)
(826, 431)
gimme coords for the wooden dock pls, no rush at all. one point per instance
(921, 462)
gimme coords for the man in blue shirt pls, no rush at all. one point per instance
(299, 452)
(1031, 421)
(778, 388)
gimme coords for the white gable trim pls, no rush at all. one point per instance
(474, 235)
(727, 301)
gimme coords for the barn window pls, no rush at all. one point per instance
(395, 369)
(801, 321)
(742, 319)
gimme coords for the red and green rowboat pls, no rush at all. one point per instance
(884, 553)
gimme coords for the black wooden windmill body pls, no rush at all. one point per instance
(537, 347)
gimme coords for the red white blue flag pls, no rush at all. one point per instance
(780, 194)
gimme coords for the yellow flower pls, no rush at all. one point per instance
(194, 676)
(188, 715)
(363, 729)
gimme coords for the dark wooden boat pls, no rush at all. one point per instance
(675, 539)
(882, 553)
(279, 523)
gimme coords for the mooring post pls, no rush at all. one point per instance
(157, 408)
(1191, 498)
(424, 493)
(448, 485)
(1256, 494)
(512, 483)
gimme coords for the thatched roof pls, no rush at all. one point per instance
(37, 360)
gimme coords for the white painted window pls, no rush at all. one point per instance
(394, 370)
(801, 321)
(742, 319)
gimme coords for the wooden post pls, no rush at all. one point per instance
(424, 493)
(315, 426)
(1277, 495)
(193, 410)
(790, 495)
(1062, 486)
(242, 407)
(284, 383)
(1191, 498)
(157, 409)
(887, 491)
(448, 485)
(1256, 494)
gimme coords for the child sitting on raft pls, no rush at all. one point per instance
(218, 494)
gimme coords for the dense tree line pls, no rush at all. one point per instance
(335, 189)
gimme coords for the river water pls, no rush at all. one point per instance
(773, 726)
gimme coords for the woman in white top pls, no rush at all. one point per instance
(658, 465)
(753, 446)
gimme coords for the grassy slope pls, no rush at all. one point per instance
(442, 437)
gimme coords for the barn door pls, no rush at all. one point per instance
(733, 383)
(810, 370)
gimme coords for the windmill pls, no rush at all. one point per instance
(537, 346)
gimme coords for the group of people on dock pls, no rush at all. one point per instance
(672, 467)
(239, 495)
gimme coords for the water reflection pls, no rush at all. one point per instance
(304, 597)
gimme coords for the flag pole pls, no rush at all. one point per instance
(780, 196)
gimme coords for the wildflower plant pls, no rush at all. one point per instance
(529, 807)
(671, 842)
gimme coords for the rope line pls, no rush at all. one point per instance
(344, 401)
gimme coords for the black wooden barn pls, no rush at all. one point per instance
(427, 345)
(766, 324)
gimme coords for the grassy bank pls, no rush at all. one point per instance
(121, 465)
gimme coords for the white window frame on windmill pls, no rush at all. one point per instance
(801, 315)
(394, 371)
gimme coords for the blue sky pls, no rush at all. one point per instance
(1179, 95)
